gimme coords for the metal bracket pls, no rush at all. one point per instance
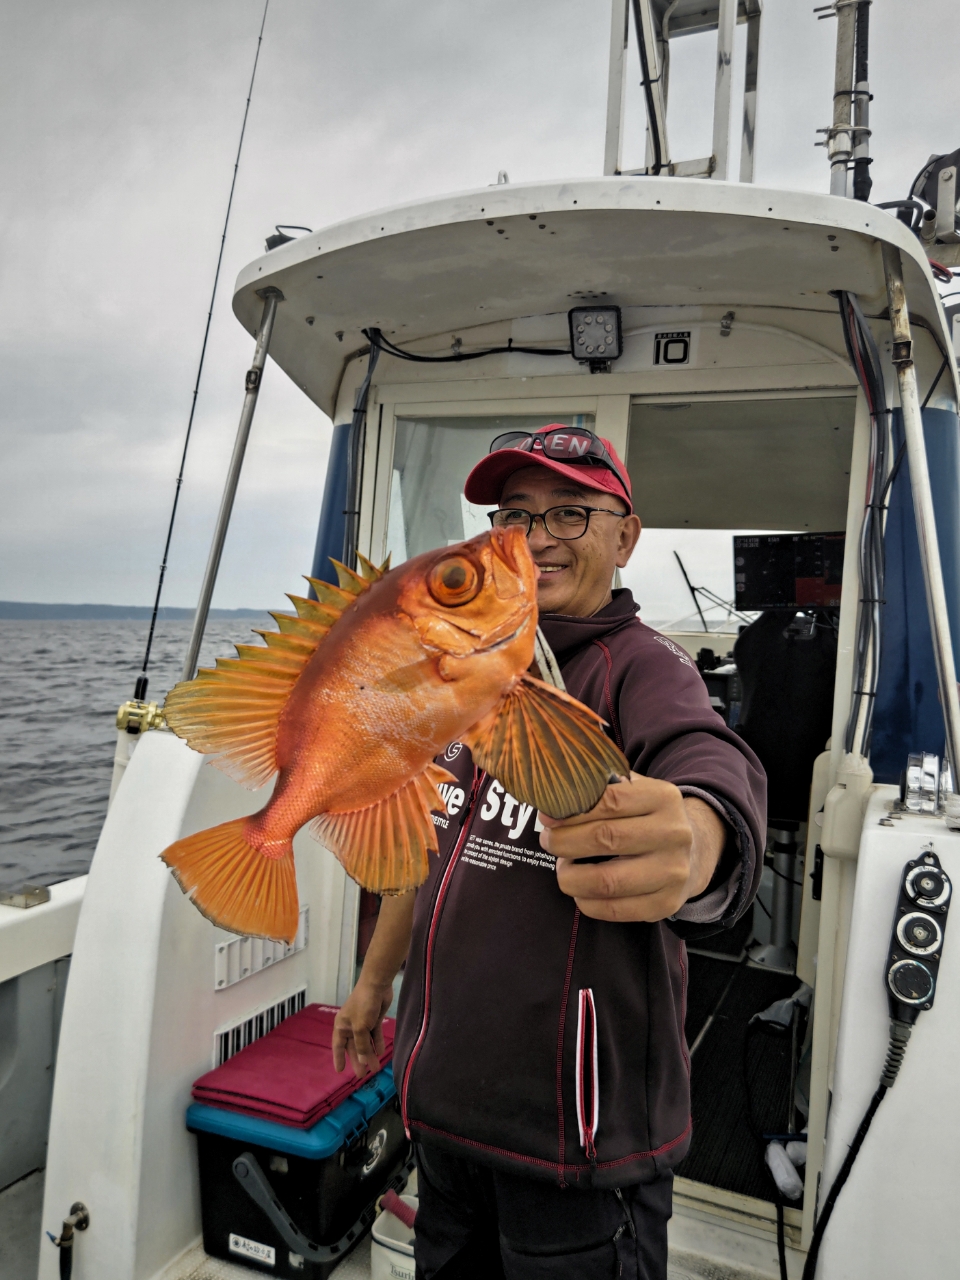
(250, 1176)
(902, 353)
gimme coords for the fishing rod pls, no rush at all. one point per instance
(140, 690)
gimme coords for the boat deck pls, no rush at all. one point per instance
(21, 1206)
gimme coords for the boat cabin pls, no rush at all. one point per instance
(755, 387)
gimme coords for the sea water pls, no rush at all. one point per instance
(61, 685)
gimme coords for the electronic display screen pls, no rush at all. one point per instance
(788, 570)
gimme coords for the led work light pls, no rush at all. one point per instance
(596, 337)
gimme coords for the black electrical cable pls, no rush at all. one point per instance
(754, 1025)
(933, 385)
(862, 182)
(376, 339)
(876, 568)
(764, 909)
(865, 358)
(915, 207)
(358, 431)
(648, 82)
(140, 690)
(899, 1035)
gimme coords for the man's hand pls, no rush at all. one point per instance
(661, 848)
(358, 1027)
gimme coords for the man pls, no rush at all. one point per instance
(540, 1057)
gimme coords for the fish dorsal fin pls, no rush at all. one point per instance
(349, 581)
(385, 847)
(369, 571)
(233, 711)
(546, 749)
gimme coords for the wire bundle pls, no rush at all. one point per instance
(378, 341)
(865, 358)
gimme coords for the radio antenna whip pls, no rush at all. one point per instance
(140, 692)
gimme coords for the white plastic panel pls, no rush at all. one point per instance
(899, 1204)
(141, 1011)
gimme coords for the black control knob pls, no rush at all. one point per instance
(919, 933)
(911, 982)
(928, 886)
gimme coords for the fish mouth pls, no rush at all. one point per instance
(505, 640)
(508, 630)
(506, 545)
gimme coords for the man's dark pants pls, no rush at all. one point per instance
(476, 1223)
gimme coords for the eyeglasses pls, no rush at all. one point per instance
(563, 444)
(564, 523)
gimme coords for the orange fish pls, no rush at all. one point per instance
(350, 702)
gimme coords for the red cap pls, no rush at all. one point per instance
(485, 482)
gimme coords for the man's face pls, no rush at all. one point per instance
(575, 574)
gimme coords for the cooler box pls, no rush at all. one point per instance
(281, 1197)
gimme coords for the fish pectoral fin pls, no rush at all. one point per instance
(385, 846)
(235, 885)
(546, 749)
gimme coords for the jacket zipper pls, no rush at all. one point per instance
(431, 941)
(587, 1082)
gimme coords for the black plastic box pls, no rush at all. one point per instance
(327, 1180)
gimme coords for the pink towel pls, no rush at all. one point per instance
(288, 1074)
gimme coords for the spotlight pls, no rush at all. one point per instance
(596, 336)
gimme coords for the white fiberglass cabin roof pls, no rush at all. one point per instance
(431, 267)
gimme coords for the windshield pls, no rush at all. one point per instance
(431, 460)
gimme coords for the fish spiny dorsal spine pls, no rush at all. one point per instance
(232, 710)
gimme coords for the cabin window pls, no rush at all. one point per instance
(737, 464)
(431, 460)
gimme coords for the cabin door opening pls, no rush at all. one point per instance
(761, 483)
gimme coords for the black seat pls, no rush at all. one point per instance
(787, 664)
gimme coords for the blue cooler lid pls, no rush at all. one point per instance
(331, 1133)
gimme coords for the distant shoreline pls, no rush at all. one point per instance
(23, 611)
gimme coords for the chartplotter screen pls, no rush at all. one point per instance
(788, 570)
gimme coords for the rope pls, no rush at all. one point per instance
(142, 680)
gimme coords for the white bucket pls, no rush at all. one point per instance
(391, 1250)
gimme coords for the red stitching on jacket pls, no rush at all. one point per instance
(563, 1021)
(550, 1164)
(431, 940)
(606, 693)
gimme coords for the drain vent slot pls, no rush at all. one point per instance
(233, 1037)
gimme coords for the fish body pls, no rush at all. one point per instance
(350, 703)
(398, 679)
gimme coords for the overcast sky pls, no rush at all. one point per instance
(120, 124)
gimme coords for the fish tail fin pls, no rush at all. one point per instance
(234, 884)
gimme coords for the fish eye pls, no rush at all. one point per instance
(454, 581)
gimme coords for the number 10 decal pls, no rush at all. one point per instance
(671, 348)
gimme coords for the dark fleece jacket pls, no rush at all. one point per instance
(530, 1036)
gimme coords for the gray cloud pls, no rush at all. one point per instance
(121, 122)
